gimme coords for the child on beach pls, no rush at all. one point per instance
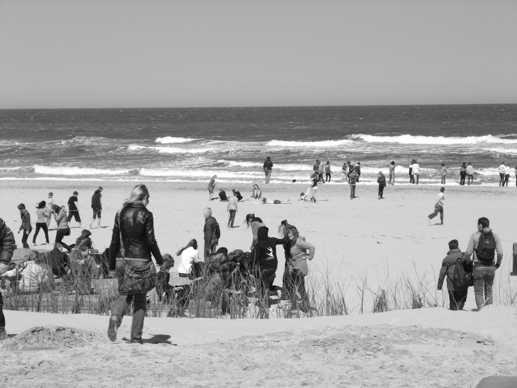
(211, 186)
(26, 224)
(444, 174)
(381, 180)
(438, 206)
(392, 172)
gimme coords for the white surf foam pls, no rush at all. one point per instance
(313, 144)
(169, 150)
(65, 170)
(409, 139)
(173, 140)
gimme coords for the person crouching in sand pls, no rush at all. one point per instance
(134, 230)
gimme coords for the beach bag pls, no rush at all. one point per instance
(461, 279)
(217, 231)
(485, 250)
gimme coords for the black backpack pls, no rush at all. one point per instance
(217, 231)
(461, 279)
(485, 250)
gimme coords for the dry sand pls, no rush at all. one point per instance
(364, 238)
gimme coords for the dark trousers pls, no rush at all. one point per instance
(470, 179)
(462, 180)
(457, 299)
(501, 177)
(320, 179)
(381, 190)
(232, 218)
(25, 237)
(438, 209)
(352, 191)
(506, 179)
(296, 286)
(327, 176)
(41, 225)
(2, 316)
(74, 214)
(119, 306)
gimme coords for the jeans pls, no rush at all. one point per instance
(119, 306)
(437, 209)
(416, 178)
(268, 176)
(26, 237)
(232, 218)
(483, 281)
(462, 180)
(2, 316)
(457, 299)
(41, 225)
(470, 179)
(210, 248)
(392, 179)
(381, 190)
(327, 176)
(352, 191)
(74, 214)
(296, 284)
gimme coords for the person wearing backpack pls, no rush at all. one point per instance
(212, 233)
(457, 292)
(484, 244)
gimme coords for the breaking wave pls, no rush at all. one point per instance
(74, 171)
(314, 144)
(410, 139)
(173, 140)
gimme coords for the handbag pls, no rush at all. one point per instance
(136, 280)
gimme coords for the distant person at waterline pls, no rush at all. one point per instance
(506, 174)
(353, 177)
(381, 180)
(470, 174)
(97, 207)
(438, 206)
(444, 174)
(416, 172)
(268, 167)
(211, 187)
(344, 170)
(502, 173)
(328, 172)
(392, 172)
(358, 170)
(411, 180)
(50, 207)
(463, 174)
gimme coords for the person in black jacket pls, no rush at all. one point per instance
(268, 166)
(134, 226)
(264, 258)
(457, 297)
(7, 247)
(97, 206)
(212, 233)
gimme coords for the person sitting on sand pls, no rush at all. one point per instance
(30, 276)
(457, 297)
(211, 187)
(83, 242)
(222, 196)
(256, 193)
(255, 223)
(438, 206)
(237, 194)
(300, 252)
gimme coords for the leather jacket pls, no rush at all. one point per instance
(137, 230)
(7, 243)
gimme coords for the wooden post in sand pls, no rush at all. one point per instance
(514, 272)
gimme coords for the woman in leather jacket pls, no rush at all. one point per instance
(134, 227)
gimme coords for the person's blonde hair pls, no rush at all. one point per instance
(137, 195)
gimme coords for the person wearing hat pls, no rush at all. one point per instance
(7, 247)
(97, 207)
(73, 211)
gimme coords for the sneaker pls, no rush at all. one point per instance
(112, 329)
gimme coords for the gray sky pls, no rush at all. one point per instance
(171, 53)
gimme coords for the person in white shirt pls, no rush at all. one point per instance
(502, 172)
(438, 206)
(189, 257)
(32, 275)
(416, 172)
(232, 208)
(470, 174)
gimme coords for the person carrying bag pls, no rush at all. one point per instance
(132, 244)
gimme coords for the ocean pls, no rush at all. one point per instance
(192, 144)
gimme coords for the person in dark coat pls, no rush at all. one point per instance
(264, 257)
(457, 298)
(97, 207)
(7, 247)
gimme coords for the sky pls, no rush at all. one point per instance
(217, 53)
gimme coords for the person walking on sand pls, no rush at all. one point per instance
(444, 174)
(268, 167)
(211, 187)
(133, 230)
(392, 172)
(62, 225)
(212, 234)
(353, 177)
(50, 207)
(470, 174)
(506, 174)
(463, 174)
(7, 247)
(97, 207)
(438, 206)
(411, 179)
(232, 208)
(311, 192)
(73, 211)
(502, 173)
(316, 166)
(416, 172)
(328, 173)
(41, 221)
(25, 225)
(484, 244)
(381, 180)
(457, 296)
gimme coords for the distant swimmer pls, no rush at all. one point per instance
(444, 174)
(438, 206)
(392, 172)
